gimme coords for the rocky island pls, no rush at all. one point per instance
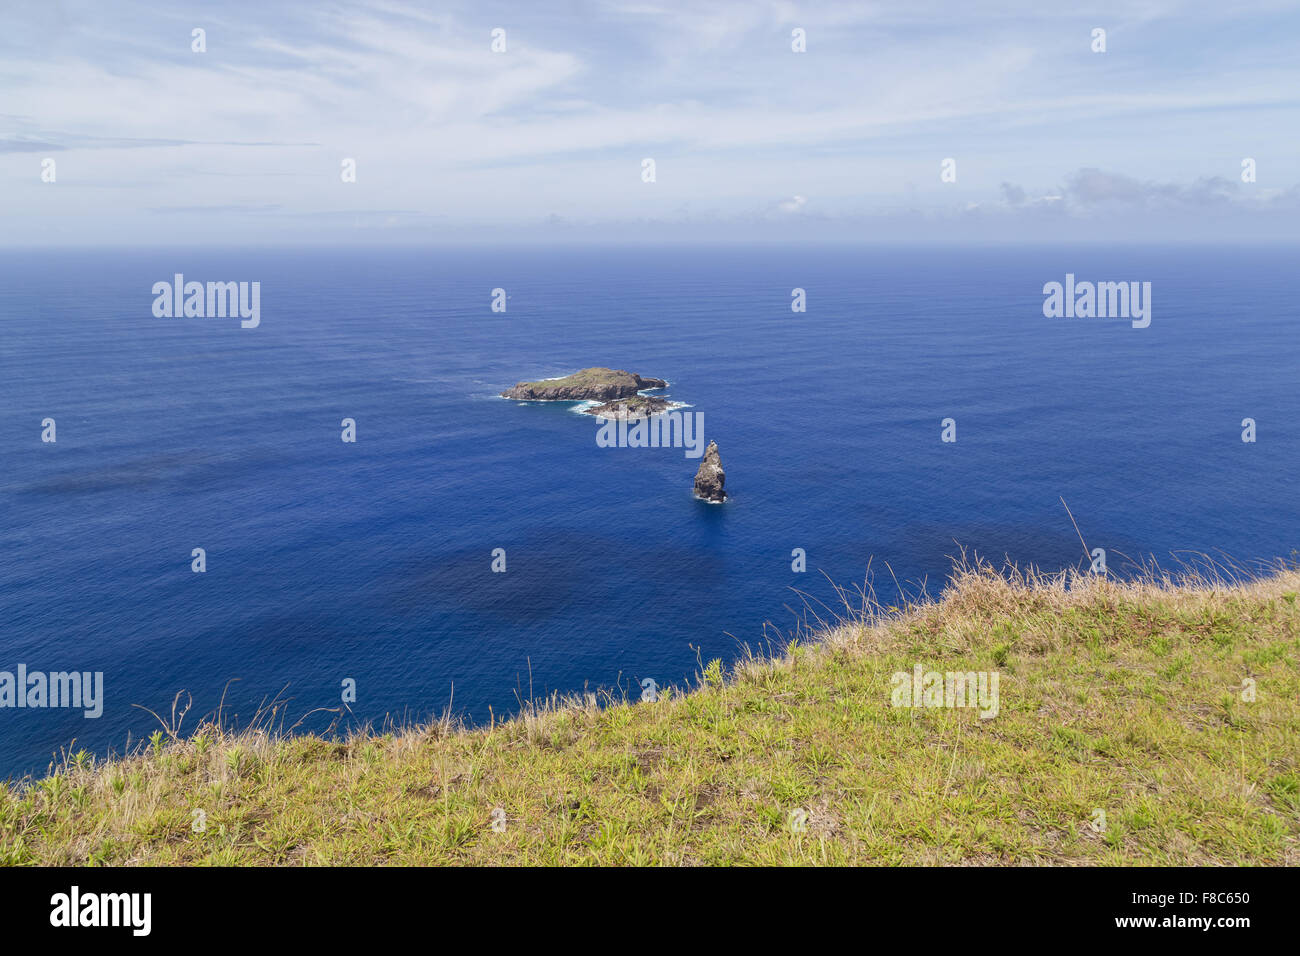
(616, 396)
(589, 385)
(630, 409)
(710, 478)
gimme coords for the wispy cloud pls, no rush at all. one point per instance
(555, 128)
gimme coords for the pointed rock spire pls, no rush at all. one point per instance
(710, 478)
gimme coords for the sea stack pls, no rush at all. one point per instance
(710, 478)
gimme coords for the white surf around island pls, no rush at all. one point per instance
(581, 408)
(580, 405)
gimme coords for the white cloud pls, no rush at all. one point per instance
(443, 127)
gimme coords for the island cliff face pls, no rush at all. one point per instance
(710, 478)
(591, 384)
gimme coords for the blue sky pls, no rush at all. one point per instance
(153, 142)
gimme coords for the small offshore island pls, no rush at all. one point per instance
(615, 395)
(616, 390)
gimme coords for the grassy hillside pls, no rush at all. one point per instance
(1126, 699)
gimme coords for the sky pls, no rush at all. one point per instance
(245, 142)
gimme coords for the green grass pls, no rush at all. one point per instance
(1122, 700)
(584, 377)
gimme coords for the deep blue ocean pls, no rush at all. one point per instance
(372, 561)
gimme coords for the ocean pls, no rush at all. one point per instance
(372, 561)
